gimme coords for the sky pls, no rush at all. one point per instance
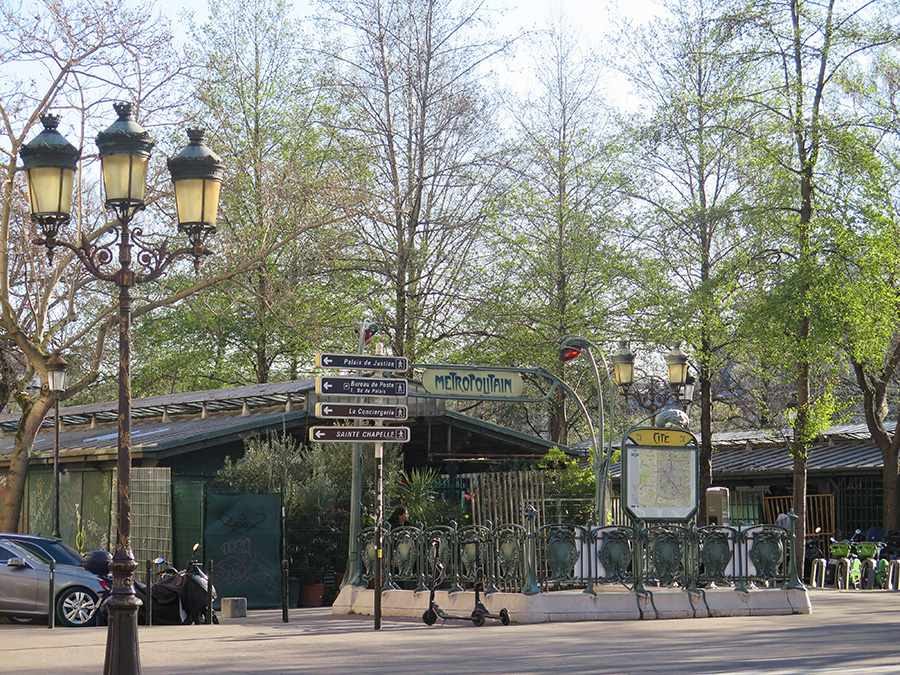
(590, 16)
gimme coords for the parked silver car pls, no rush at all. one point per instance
(25, 587)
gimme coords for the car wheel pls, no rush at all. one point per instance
(76, 607)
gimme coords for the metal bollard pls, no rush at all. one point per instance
(209, 592)
(148, 566)
(51, 598)
(893, 580)
(284, 591)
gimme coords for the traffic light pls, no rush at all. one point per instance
(369, 329)
(568, 353)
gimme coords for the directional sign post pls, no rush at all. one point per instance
(395, 364)
(361, 411)
(359, 434)
(360, 386)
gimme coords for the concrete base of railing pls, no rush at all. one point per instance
(607, 605)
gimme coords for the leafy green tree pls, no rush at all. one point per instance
(696, 230)
(808, 150)
(569, 481)
(556, 255)
(287, 184)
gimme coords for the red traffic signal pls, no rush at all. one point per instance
(569, 353)
(370, 330)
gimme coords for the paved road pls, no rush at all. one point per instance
(848, 633)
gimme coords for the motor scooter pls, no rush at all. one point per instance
(179, 597)
(182, 597)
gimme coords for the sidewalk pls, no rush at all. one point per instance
(848, 633)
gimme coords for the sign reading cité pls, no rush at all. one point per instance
(463, 383)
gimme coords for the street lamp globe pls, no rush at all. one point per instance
(124, 150)
(197, 174)
(56, 373)
(677, 361)
(623, 365)
(50, 162)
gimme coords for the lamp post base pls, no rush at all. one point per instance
(122, 650)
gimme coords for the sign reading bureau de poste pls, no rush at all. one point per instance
(463, 383)
(360, 386)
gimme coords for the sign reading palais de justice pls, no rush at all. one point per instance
(397, 364)
(360, 386)
(359, 434)
(464, 383)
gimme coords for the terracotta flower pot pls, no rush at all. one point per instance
(311, 595)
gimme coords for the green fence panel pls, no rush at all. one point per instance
(187, 521)
(243, 539)
(96, 528)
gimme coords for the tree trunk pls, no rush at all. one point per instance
(14, 493)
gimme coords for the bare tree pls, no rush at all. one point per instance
(72, 58)
(410, 79)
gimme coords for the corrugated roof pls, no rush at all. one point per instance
(162, 438)
(775, 459)
(193, 403)
(837, 458)
(842, 432)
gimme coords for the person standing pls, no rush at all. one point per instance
(399, 517)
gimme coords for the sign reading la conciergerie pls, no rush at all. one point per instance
(462, 383)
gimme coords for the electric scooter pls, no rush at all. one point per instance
(480, 613)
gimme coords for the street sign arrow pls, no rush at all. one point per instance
(359, 434)
(396, 364)
(360, 386)
(368, 411)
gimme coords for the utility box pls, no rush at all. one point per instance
(718, 506)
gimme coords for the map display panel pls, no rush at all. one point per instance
(660, 481)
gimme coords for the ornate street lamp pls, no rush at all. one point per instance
(677, 361)
(623, 365)
(49, 161)
(124, 150)
(56, 382)
(653, 393)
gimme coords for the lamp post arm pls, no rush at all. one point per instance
(571, 392)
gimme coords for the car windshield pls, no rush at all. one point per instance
(59, 551)
(34, 552)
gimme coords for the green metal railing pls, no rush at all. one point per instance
(565, 556)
